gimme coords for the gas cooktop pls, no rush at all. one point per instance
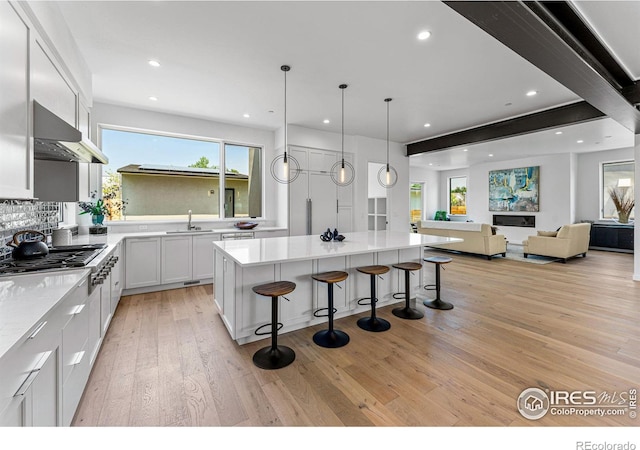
(63, 257)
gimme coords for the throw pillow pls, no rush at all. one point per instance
(548, 233)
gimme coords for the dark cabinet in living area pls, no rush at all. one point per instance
(616, 237)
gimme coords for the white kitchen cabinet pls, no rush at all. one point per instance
(36, 402)
(95, 327)
(105, 305)
(49, 87)
(16, 170)
(89, 182)
(142, 262)
(203, 256)
(75, 350)
(116, 278)
(177, 260)
(315, 201)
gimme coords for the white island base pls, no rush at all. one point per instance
(241, 265)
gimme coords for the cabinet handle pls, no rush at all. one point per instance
(26, 384)
(37, 330)
(77, 358)
(77, 310)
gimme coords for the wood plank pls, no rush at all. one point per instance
(514, 325)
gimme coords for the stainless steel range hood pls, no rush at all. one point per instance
(56, 140)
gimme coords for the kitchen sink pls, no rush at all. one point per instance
(188, 231)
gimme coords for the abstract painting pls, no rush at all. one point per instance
(514, 189)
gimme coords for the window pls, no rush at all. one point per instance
(458, 195)
(618, 177)
(415, 202)
(160, 177)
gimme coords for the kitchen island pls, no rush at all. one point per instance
(240, 265)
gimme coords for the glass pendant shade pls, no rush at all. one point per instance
(285, 168)
(387, 175)
(342, 172)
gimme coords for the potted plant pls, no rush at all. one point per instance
(624, 201)
(97, 210)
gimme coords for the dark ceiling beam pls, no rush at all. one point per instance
(531, 31)
(551, 118)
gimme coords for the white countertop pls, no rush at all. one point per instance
(26, 299)
(253, 252)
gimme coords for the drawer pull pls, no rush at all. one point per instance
(24, 387)
(77, 310)
(37, 330)
(77, 358)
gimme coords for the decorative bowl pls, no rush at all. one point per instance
(245, 225)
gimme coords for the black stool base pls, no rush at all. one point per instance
(373, 324)
(437, 304)
(406, 312)
(331, 339)
(269, 358)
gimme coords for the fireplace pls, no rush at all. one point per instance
(514, 221)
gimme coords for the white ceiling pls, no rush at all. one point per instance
(220, 60)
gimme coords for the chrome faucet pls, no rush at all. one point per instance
(189, 227)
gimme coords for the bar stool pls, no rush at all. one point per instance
(372, 323)
(276, 356)
(330, 338)
(407, 312)
(437, 303)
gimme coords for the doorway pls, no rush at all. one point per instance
(229, 202)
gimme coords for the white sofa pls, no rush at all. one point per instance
(571, 240)
(478, 237)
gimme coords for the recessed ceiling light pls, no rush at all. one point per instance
(580, 141)
(465, 149)
(246, 116)
(431, 164)
(154, 63)
(153, 99)
(490, 154)
(325, 121)
(427, 125)
(424, 35)
(558, 132)
(531, 93)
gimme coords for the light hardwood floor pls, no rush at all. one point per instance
(167, 359)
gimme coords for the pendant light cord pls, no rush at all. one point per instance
(285, 115)
(387, 100)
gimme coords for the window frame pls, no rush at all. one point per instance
(603, 195)
(221, 182)
(449, 195)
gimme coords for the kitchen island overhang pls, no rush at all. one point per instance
(240, 265)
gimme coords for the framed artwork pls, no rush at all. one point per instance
(514, 189)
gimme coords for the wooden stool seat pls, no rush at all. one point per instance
(335, 276)
(406, 311)
(437, 303)
(330, 338)
(408, 266)
(372, 323)
(373, 270)
(274, 356)
(275, 289)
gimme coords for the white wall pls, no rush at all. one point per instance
(107, 114)
(555, 193)
(431, 192)
(636, 236)
(588, 195)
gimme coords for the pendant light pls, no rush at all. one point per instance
(285, 168)
(387, 175)
(342, 172)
